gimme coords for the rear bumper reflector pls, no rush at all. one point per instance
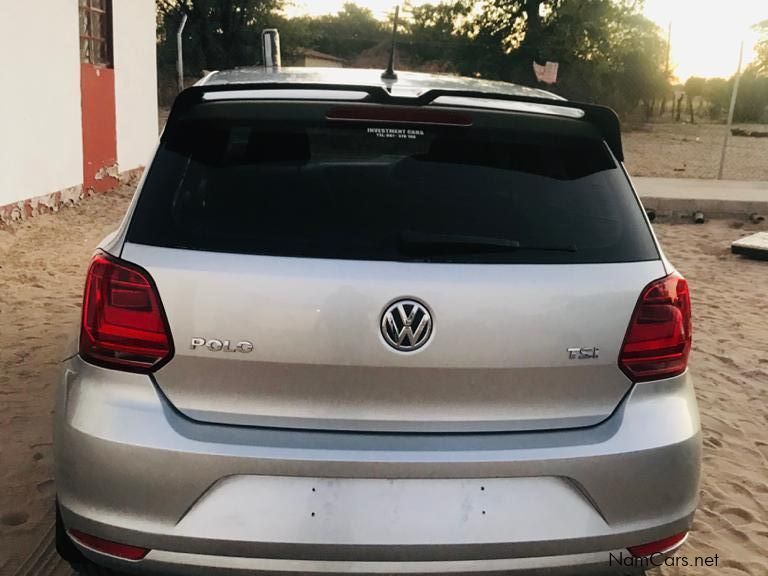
(659, 546)
(102, 546)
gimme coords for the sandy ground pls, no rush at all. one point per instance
(42, 264)
(693, 151)
(42, 267)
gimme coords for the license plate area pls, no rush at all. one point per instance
(368, 511)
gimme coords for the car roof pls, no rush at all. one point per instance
(408, 84)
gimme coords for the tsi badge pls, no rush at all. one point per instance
(583, 353)
(222, 345)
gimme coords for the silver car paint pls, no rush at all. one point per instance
(498, 358)
(132, 469)
(185, 564)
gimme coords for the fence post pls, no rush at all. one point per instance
(730, 114)
(180, 51)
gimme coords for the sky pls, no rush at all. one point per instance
(705, 33)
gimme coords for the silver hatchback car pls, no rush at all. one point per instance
(354, 325)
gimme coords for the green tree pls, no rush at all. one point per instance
(606, 49)
(761, 49)
(694, 88)
(752, 101)
(345, 34)
(349, 32)
(296, 34)
(219, 34)
(430, 32)
(717, 91)
(431, 38)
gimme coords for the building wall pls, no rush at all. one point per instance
(135, 81)
(67, 128)
(41, 148)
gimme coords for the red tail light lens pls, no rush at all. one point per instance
(108, 547)
(368, 113)
(124, 325)
(659, 546)
(658, 339)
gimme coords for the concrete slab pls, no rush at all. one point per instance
(747, 191)
(754, 246)
(715, 198)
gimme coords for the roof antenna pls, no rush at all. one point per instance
(389, 73)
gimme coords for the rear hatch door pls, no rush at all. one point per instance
(279, 240)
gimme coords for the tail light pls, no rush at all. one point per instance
(123, 551)
(124, 325)
(658, 339)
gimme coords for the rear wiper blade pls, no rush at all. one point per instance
(489, 243)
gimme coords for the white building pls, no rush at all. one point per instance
(313, 58)
(78, 98)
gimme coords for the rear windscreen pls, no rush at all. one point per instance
(316, 188)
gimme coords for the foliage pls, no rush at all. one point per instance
(345, 34)
(717, 92)
(219, 33)
(761, 62)
(695, 87)
(606, 50)
(752, 101)
(431, 35)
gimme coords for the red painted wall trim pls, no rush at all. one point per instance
(97, 86)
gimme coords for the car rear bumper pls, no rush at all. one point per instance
(207, 498)
(183, 564)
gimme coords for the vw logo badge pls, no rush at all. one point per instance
(406, 325)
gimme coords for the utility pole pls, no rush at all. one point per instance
(666, 68)
(734, 94)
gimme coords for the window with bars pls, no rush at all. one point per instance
(96, 32)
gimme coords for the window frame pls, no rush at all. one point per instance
(89, 9)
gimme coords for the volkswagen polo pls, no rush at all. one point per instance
(363, 325)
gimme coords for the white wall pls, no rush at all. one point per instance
(41, 145)
(135, 81)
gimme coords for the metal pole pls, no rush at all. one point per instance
(180, 51)
(730, 113)
(666, 72)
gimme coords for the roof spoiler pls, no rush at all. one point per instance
(603, 118)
